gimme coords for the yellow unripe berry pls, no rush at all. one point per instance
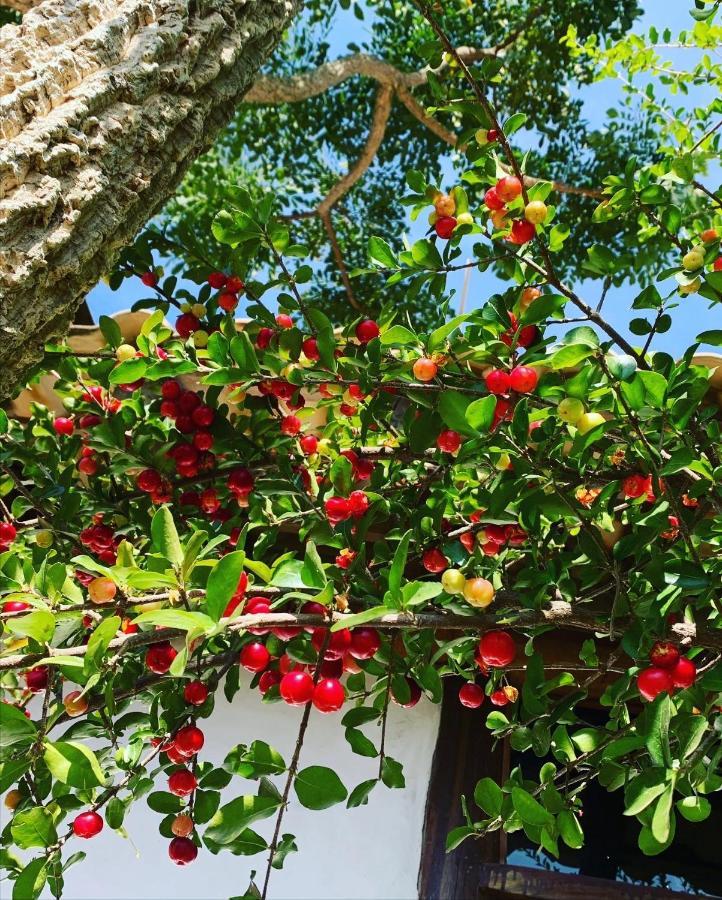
(570, 410)
(199, 310)
(481, 137)
(182, 825)
(125, 351)
(200, 339)
(588, 421)
(535, 212)
(479, 592)
(433, 216)
(692, 287)
(186, 307)
(465, 218)
(453, 581)
(44, 538)
(693, 259)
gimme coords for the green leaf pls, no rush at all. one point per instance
(399, 564)
(232, 818)
(662, 816)
(176, 618)
(710, 337)
(128, 371)
(255, 761)
(164, 802)
(643, 790)
(398, 335)
(243, 354)
(100, 638)
(359, 796)
(567, 357)
(480, 413)
(530, 811)
(489, 797)
(694, 809)
(570, 829)
(360, 743)
(74, 764)
(392, 773)
(425, 255)
(38, 625)
(248, 843)
(15, 728)
(318, 787)
(380, 252)
(33, 828)
(452, 407)
(656, 729)
(165, 537)
(313, 572)
(457, 835)
(223, 583)
(368, 615)
(286, 845)
(31, 881)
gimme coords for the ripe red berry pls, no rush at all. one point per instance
(8, 533)
(471, 695)
(328, 695)
(217, 280)
(365, 643)
(434, 561)
(448, 441)
(523, 379)
(339, 643)
(654, 681)
(521, 232)
(88, 465)
(37, 679)
(264, 337)
(337, 510)
(310, 349)
(240, 481)
(189, 740)
(492, 200)
(445, 226)
(159, 657)
(497, 381)
(296, 688)
(195, 693)
(148, 480)
(664, 654)
(268, 679)
(290, 425)
(255, 657)
(187, 324)
(15, 605)
(182, 851)
(309, 444)
(496, 648)
(684, 673)
(717, 264)
(508, 188)
(63, 426)
(228, 301)
(492, 135)
(366, 331)
(235, 285)
(499, 698)
(87, 824)
(415, 692)
(182, 783)
(283, 320)
(358, 503)
(149, 279)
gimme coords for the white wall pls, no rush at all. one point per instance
(369, 852)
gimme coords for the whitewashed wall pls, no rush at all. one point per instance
(369, 852)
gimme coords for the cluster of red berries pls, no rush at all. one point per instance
(184, 745)
(101, 540)
(339, 509)
(669, 671)
(230, 286)
(521, 380)
(496, 649)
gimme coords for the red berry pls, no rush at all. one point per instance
(521, 232)
(203, 440)
(492, 200)
(635, 486)
(87, 824)
(523, 379)
(310, 608)
(189, 740)
(64, 426)
(328, 695)
(448, 441)
(654, 681)
(445, 226)
(263, 338)
(217, 280)
(268, 679)
(492, 135)
(309, 444)
(15, 606)
(434, 561)
(499, 698)
(182, 783)
(240, 481)
(149, 481)
(339, 643)
(471, 695)
(290, 425)
(684, 673)
(195, 693)
(283, 320)
(202, 416)
(187, 324)
(337, 510)
(255, 657)
(717, 265)
(664, 655)
(310, 349)
(415, 692)
(366, 331)
(37, 679)
(496, 648)
(235, 285)
(497, 381)
(159, 657)
(296, 688)
(358, 503)
(8, 533)
(149, 279)
(182, 851)
(508, 188)
(365, 643)
(228, 301)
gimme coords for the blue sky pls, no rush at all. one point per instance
(694, 314)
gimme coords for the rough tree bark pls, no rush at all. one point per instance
(103, 106)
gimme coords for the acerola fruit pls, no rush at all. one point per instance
(654, 681)
(283, 320)
(228, 301)
(471, 695)
(664, 654)
(570, 410)
(12, 799)
(497, 381)
(684, 673)
(255, 657)
(589, 420)
(182, 783)
(523, 379)
(338, 645)
(434, 561)
(148, 480)
(693, 259)
(337, 510)
(497, 648)
(415, 694)
(189, 740)
(182, 825)
(149, 279)
(290, 425)
(187, 324)
(492, 200)
(453, 581)
(508, 188)
(310, 349)
(479, 592)
(217, 280)
(709, 234)
(102, 590)
(528, 296)
(159, 657)
(15, 606)
(195, 693)
(425, 369)
(182, 851)
(63, 426)
(268, 679)
(448, 441)
(296, 688)
(521, 232)
(328, 695)
(8, 533)
(635, 486)
(365, 643)
(264, 337)
(535, 212)
(366, 331)
(36, 679)
(87, 824)
(74, 704)
(444, 204)
(499, 698)
(358, 503)
(309, 444)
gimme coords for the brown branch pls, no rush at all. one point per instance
(338, 257)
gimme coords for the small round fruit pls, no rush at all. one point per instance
(189, 740)
(87, 824)
(664, 654)
(296, 688)
(521, 232)
(255, 657)
(182, 783)
(492, 200)
(182, 851)
(654, 681)
(453, 581)
(528, 296)
(124, 352)
(102, 590)
(523, 379)
(465, 218)
(499, 698)
(471, 695)
(309, 444)
(414, 692)
(497, 648)
(12, 799)
(36, 679)
(195, 693)
(692, 287)
(684, 673)
(328, 695)
(479, 592)
(201, 338)
(535, 212)
(366, 331)
(444, 227)
(448, 441)
(425, 369)
(160, 657)
(497, 381)
(570, 410)
(365, 643)
(444, 204)
(693, 259)
(508, 188)
(75, 704)
(589, 420)
(709, 234)
(44, 538)
(63, 426)
(182, 825)
(434, 561)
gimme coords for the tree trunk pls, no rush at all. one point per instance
(103, 106)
